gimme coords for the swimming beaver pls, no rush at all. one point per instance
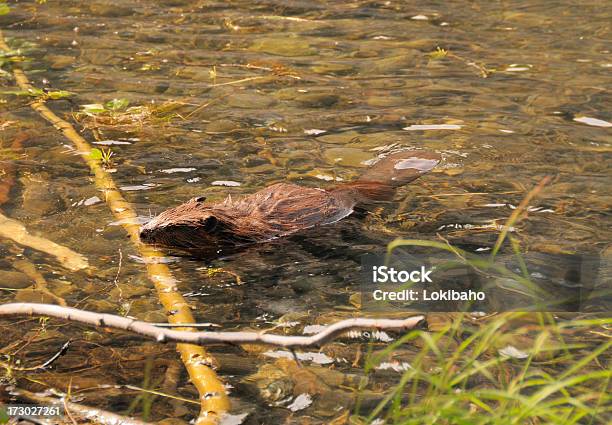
(280, 209)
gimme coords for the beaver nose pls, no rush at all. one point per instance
(144, 234)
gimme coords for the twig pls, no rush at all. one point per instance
(484, 71)
(159, 393)
(204, 337)
(116, 281)
(41, 366)
(205, 105)
(237, 81)
(439, 195)
(65, 403)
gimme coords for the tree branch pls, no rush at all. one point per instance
(203, 337)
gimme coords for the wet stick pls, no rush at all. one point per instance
(40, 284)
(15, 231)
(214, 400)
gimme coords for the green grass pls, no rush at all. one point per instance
(559, 373)
(460, 377)
(559, 376)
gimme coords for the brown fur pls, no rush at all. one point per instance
(280, 209)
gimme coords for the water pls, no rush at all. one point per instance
(303, 92)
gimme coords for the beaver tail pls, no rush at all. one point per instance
(380, 180)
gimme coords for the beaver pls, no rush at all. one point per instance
(281, 209)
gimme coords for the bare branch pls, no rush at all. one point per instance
(203, 337)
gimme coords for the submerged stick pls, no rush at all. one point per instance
(205, 337)
(87, 413)
(212, 392)
(17, 232)
(40, 284)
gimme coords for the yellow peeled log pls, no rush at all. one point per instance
(213, 397)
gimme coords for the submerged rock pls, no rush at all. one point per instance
(351, 157)
(110, 10)
(14, 279)
(250, 101)
(34, 296)
(393, 64)
(361, 140)
(60, 61)
(318, 100)
(222, 126)
(332, 68)
(286, 46)
(39, 198)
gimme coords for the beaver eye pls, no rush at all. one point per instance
(210, 223)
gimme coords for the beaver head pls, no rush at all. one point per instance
(189, 225)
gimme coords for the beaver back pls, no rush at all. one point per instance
(282, 209)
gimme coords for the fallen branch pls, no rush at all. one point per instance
(203, 337)
(14, 230)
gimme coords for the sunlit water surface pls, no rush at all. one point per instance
(304, 92)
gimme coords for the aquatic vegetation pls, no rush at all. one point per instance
(439, 53)
(4, 8)
(16, 51)
(7, 56)
(213, 74)
(117, 114)
(506, 368)
(41, 94)
(103, 155)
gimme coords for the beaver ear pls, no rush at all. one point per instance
(198, 199)
(210, 223)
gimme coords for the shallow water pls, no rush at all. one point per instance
(305, 92)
